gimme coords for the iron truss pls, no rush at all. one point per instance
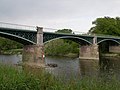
(29, 36)
(22, 36)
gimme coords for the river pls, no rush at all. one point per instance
(74, 67)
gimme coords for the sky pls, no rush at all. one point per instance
(58, 14)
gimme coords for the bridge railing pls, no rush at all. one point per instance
(33, 28)
(80, 33)
(17, 26)
(103, 35)
(52, 30)
(55, 30)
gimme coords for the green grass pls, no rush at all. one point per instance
(12, 78)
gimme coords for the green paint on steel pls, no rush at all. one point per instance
(29, 36)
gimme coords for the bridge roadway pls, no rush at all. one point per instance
(34, 38)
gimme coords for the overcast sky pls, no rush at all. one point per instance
(70, 14)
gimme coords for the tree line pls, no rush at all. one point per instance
(7, 44)
(106, 26)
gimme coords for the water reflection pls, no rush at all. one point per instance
(89, 67)
(10, 59)
(110, 66)
(67, 67)
(73, 67)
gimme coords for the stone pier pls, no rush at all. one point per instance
(89, 52)
(34, 54)
(114, 49)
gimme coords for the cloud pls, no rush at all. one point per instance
(73, 14)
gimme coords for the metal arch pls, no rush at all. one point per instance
(65, 37)
(108, 40)
(8, 34)
(30, 35)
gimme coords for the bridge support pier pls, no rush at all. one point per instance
(34, 54)
(114, 49)
(89, 52)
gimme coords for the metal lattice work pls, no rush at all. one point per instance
(22, 36)
(76, 38)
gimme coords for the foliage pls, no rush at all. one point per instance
(64, 31)
(107, 26)
(13, 79)
(6, 44)
(62, 47)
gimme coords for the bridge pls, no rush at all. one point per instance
(33, 38)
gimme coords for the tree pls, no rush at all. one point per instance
(62, 47)
(7, 44)
(64, 31)
(107, 26)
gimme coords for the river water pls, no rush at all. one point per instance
(67, 67)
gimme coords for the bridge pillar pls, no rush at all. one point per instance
(34, 54)
(114, 49)
(89, 52)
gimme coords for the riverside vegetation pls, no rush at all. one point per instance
(10, 47)
(16, 79)
(62, 47)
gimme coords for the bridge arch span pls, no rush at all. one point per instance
(75, 39)
(104, 40)
(16, 38)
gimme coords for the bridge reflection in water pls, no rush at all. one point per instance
(76, 68)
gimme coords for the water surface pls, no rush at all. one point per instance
(73, 67)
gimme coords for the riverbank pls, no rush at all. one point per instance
(36, 79)
(116, 55)
(19, 51)
(11, 52)
(69, 55)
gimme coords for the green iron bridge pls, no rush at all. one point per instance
(34, 38)
(27, 35)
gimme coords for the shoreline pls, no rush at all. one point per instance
(70, 55)
(114, 55)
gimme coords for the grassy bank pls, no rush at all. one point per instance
(14, 79)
